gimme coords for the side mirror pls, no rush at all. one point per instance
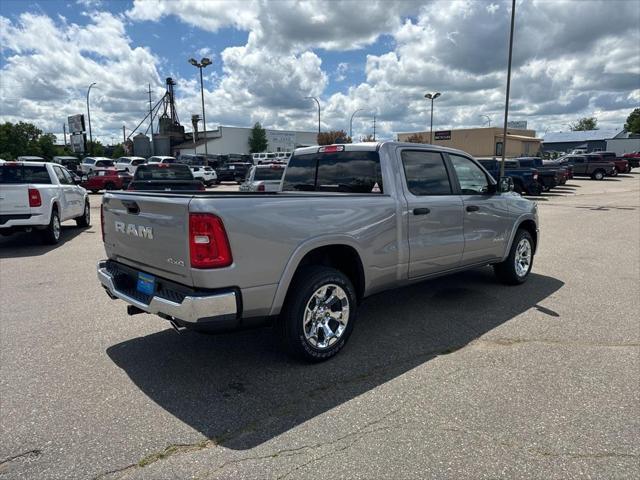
(505, 184)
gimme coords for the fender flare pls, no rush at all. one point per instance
(297, 256)
(522, 218)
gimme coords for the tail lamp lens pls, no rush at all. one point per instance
(208, 242)
(35, 200)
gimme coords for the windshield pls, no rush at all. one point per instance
(158, 172)
(354, 172)
(268, 174)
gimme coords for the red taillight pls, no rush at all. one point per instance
(34, 198)
(102, 221)
(208, 242)
(261, 187)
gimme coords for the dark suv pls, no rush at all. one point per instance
(233, 172)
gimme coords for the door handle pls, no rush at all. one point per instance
(421, 211)
(473, 208)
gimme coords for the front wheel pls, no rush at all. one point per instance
(517, 266)
(85, 219)
(598, 175)
(319, 314)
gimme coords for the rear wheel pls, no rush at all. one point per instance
(51, 234)
(85, 219)
(517, 266)
(319, 314)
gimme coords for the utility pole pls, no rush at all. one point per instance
(506, 104)
(374, 127)
(124, 135)
(432, 97)
(64, 129)
(89, 119)
(351, 122)
(318, 102)
(150, 114)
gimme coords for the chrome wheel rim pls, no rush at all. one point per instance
(56, 227)
(326, 316)
(523, 257)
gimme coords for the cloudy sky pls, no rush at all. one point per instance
(571, 59)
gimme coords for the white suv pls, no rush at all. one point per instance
(39, 196)
(206, 174)
(130, 164)
(89, 164)
(161, 159)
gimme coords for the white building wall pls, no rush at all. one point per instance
(623, 145)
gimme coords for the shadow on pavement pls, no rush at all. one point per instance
(241, 390)
(29, 244)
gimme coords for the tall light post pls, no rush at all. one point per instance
(200, 65)
(351, 122)
(506, 104)
(318, 102)
(89, 120)
(432, 97)
(488, 118)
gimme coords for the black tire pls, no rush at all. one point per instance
(51, 235)
(507, 271)
(291, 327)
(109, 186)
(517, 187)
(598, 175)
(84, 220)
(615, 172)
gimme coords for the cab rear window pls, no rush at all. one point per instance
(16, 174)
(268, 173)
(163, 172)
(352, 172)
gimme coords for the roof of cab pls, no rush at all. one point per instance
(28, 164)
(373, 146)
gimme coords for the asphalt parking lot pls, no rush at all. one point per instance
(458, 377)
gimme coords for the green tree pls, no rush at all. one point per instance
(258, 139)
(586, 123)
(47, 145)
(118, 151)
(95, 148)
(333, 136)
(633, 122)
(367, 138)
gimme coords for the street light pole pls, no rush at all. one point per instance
(89, 120)
(506, 106)
(351, 122)
(318, 102)
(432, 97)
(200, 65)
(488, 118)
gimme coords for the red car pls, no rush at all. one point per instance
(633, 158)
(107, 179)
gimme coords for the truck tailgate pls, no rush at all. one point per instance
(149, 233)
(14, 199)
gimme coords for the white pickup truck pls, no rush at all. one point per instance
(39, 196)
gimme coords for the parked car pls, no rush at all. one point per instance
(233, 172)
(70, 163)
(30, 158)
(622, 164)
(582, 167)
(37, 197)
(130, 163)
(107, 179)
(206, 175)
(546, 181)
(351, 220)
(548, 176)
(161, 159)
(525, 180)
(633, 158)
(263, 178)
(557, 163)
(165, 177)
(89, 164)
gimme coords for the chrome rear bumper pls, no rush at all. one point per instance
(218, 308)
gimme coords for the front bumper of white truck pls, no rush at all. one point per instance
(186, 306)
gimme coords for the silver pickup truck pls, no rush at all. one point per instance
(350, 221)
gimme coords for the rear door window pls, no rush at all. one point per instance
(18, 173)
(60, 174)
(425, 173)
(352, 172)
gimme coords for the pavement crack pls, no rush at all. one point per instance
(30, 454)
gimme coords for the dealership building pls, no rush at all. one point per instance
(226, 140)
(483, 142)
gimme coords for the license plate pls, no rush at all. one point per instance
(146, 283)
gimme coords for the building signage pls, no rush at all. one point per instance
(78, 142)
(519, 124)
(76, 123)
(442, 135)
(281, 141)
